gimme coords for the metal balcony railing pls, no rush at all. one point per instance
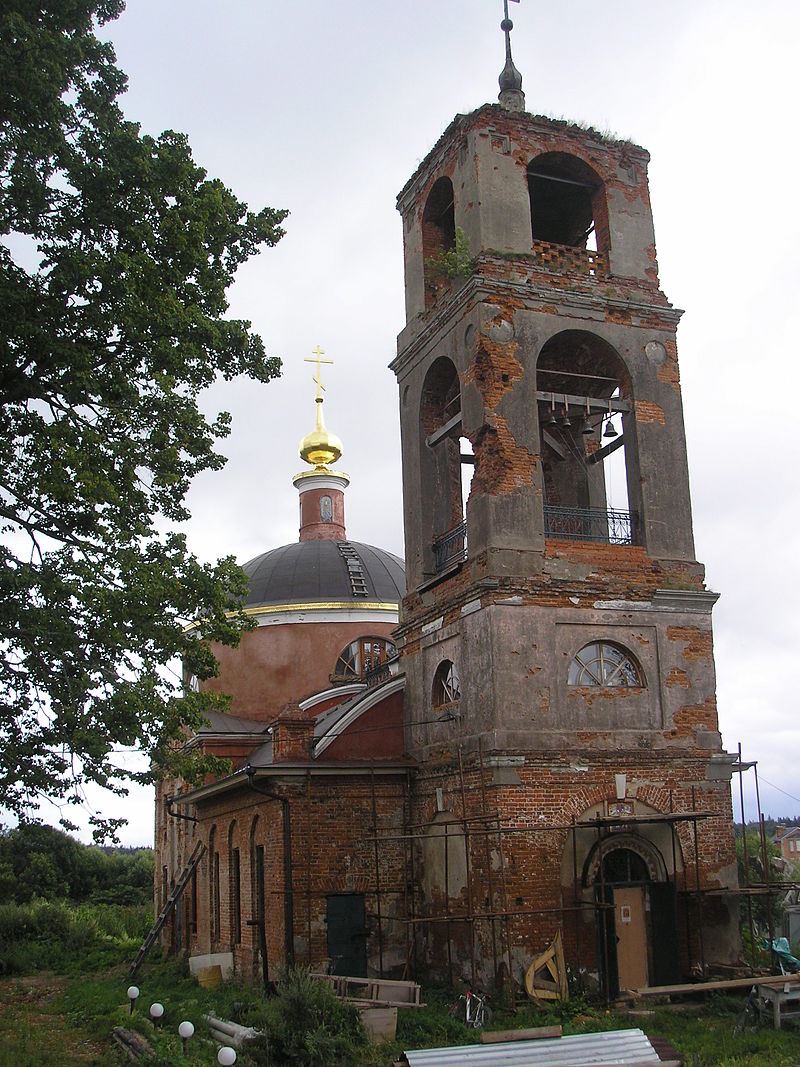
(608, 527)
(377, 675)
(450, 547)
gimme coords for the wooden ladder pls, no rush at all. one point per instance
(169, 906)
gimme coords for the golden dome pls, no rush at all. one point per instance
(320, 448)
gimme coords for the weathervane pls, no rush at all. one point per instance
(318, 353)
(511, 96)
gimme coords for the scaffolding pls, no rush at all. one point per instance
(487, 825)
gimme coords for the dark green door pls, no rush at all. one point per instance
(347, 934)
(664, 926)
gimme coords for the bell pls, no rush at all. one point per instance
(552, 420)
(565, 423)
(586, 427)
(609, 431)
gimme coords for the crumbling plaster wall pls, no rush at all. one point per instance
(513, 660)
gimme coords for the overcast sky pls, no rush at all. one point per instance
(326, 108)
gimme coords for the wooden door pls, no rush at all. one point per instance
(631, 936)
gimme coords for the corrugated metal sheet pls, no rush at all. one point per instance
(608, 1047)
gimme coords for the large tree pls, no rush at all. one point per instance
(116, 252)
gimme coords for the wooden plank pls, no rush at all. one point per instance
(443, 431)
(727, 983)
(533, 1033)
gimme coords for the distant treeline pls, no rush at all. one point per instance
(770, 824)
(40, 862)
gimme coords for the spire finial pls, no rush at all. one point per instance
(511, 95)
(319, 448)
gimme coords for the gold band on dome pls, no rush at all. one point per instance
(327, 472)
(322, 605)
(390, 607)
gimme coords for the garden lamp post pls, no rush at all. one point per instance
(186, 1029)
(133, 993)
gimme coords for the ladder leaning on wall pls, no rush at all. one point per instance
(169, 906)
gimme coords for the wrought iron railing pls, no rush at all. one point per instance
(450, 547)
(377, 674)
(608, 527)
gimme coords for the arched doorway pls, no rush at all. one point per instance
(637, 930)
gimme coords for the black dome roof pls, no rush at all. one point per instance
(314, 571)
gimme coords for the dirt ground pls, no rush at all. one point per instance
(33, 1033)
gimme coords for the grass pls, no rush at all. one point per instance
(50, 1019)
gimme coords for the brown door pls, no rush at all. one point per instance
(631, 936)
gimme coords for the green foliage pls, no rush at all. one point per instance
(116, 252)
(40, 861)
(454, 262)
(62, 937)
(306, 1026)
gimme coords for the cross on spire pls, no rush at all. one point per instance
(318, 353)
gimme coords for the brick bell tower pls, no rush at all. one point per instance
(556, 633)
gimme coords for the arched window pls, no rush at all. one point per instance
(361, 658)
(213, 885)
(441, 429)
(623, 866)
(568, 202)
(446, 684)
(438, 232)
(235, 884)
(603, 664)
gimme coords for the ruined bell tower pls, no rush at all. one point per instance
(556, 632)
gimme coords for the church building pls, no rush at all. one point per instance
(438, 769)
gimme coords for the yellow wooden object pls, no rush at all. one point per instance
(546, 978)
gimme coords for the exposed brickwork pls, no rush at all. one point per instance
(647, 411)
(698, 642)
(292, 736)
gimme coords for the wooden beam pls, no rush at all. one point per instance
(444, 431)
(606, 450)
(596, 403)
(533, 1033)
(554, 444)
(725, 983)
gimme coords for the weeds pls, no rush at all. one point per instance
(62, 937)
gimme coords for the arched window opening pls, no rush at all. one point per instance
(568, 209)
(445, 488)
(606, 665)
(623, 866)
(446, 685)
(438, 234)
(585, 421)
(213, 885)
(364, 660)
(235, 885)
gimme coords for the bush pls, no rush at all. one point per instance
(58, 936)
(306, 1026)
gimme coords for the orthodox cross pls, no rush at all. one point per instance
(318, 353)
(507, 25)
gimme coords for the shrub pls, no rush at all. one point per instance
(307, 1026)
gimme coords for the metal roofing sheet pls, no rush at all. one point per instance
(309, 571)
(577, 1050)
